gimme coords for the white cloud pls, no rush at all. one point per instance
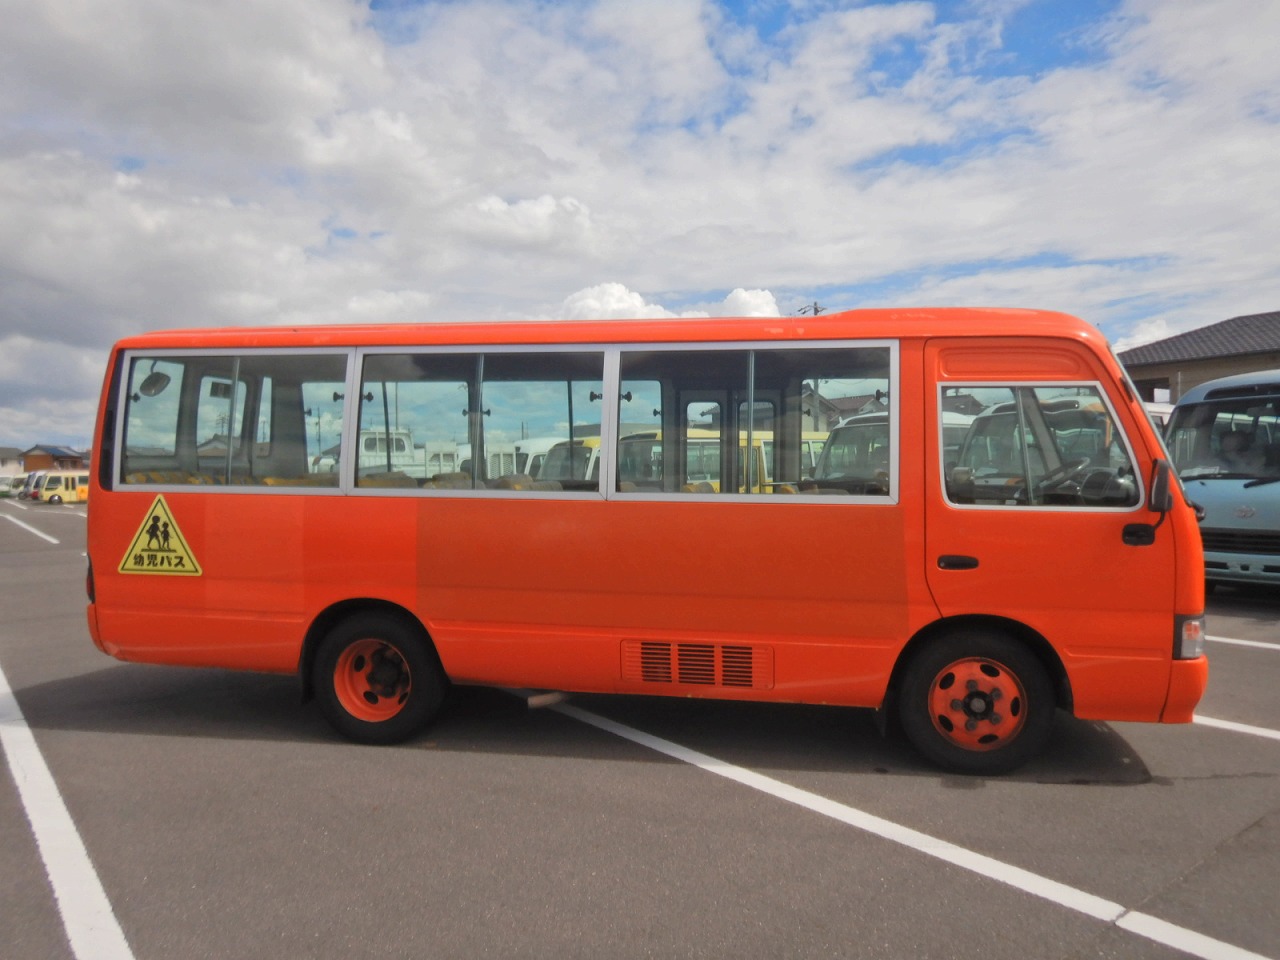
(750, 303)
(612, 301)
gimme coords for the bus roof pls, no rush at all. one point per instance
(1260, 383)
(885, 324)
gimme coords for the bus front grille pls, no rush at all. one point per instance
(1240, 541)
(699, 664)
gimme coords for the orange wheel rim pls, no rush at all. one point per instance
(371, 680)
(977, 704)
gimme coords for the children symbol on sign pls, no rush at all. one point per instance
(158, 533)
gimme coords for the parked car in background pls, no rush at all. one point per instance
(1159, 412)
(29, 484)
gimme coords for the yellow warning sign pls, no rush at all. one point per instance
(159, 548)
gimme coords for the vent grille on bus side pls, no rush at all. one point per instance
(702, 664)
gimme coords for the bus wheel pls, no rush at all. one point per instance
(976, 703)
(377, 680)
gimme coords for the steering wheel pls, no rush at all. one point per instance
(1064, 470)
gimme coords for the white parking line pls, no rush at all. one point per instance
(1141, 924)
(30, 529)
(1237, 727)
(1244, 643)
(86, 912)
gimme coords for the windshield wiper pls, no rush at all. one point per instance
(1262, 481)
(1220, 475)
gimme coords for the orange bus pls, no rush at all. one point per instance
(966, 587)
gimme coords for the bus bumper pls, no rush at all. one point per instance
(1187, 681)
(1242, 567)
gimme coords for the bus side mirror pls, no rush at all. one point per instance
(1161, 499)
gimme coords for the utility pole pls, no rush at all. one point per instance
(812, 309)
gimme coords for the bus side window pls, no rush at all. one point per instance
(153, 394)
(445, 421)
(1036, 446)
(418, 413)
(227, 420)
(758, 422)
(548, 395)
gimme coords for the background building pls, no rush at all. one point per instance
(43, 457)
(1178, 363)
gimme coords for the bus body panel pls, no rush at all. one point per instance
(552, 607)
(560, 602)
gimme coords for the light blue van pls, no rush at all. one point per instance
(1225, 439)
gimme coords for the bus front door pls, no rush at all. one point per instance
(1041, 544)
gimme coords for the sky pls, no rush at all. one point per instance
(176, 163)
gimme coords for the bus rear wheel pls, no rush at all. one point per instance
(377, 679)
(976, 703)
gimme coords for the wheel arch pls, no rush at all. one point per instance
(1033, 640)
(330, 617)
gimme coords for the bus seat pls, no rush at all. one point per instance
(813, 488)
(512, 481)
(307, 480)
(392, 478)
(785, 488)
(702, 486)
(547, 485)
(459, 479)
(164, 476)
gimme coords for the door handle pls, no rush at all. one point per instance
(957, 561)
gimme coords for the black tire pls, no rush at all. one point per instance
(976, 703)
(377, 679)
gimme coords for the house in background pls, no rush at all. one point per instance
(44, 457)
(11, 461)
(1178, 363)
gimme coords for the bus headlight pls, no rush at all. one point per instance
(1188, 637)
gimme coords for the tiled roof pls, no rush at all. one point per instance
(1256, 333)
(65, 453)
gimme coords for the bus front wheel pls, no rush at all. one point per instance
(976, 703)
(377, 680)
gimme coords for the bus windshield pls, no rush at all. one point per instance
(1230, 438)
